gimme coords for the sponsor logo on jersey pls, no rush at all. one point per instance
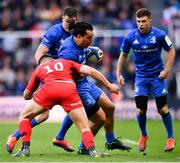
(136, 42)
(144, 47)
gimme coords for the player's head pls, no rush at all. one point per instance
(69, 18)
(83, 34)
(143, 20)
(44, 58)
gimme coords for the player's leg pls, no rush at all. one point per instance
(91, 108)
(163, 110)
(97, 118)
(108, 108)
(59, 139)
(30, 111)
(80, 119)
(160, 93)
(13, 138)
(141, 105)
(142, 90)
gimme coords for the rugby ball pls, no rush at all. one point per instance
(95, 55)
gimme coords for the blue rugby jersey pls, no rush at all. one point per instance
(147, 50)
(71, 51)
(87, 90)
(53, 39)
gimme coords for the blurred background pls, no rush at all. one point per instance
(23, 23)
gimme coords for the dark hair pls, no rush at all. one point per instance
(143, 12)
(70, 11)
(81, 27)
(43, 57)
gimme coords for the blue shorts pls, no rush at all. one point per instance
(147, 86)
(88, 92)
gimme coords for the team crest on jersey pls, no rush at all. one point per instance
(136, 42)
(153, 39)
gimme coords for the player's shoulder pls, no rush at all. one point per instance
(67, 41)
(131, 34)
(55, 26)
(55, 29)
(158, 31)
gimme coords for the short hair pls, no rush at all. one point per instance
(81, 27)
(43, 57)
(70, 11)
(143, 12)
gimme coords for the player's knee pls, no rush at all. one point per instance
(109, 109)
(42, 117)
(161, 103)
(141, 112)
(102, 119)
(141, 104)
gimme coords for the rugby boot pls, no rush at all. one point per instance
(22, 153)
(63, 144)
(93, 153)
(82, 151)
(142, 143)
(170, 144)
(117, 144)
(11, 142)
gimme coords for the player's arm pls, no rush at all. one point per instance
(32, 86)
(42, 50)
(120, 64)
(27, 94)
(169, 64)
(89, 71)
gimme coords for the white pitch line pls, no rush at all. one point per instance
(129, 141)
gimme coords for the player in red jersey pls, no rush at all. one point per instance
(58, 88)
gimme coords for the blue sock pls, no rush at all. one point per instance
(66, 124)
(142, 123)
(167, 120)
(110, 137)
(33, 123)
(81, 145)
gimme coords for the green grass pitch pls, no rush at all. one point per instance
(42, 149)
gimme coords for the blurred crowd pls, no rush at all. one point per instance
(16, 55)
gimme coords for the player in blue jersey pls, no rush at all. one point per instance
(147, 42)
(50, 44)
(94, 99)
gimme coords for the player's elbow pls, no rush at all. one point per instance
(27, 95)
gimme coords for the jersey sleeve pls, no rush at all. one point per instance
(76, 66)
(34, 81)
(126, 45)
(166, 42)
(49, 38)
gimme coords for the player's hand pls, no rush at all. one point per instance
(164, 74)
(114, 88)
(121, 80)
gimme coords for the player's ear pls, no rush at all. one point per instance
(150, 20)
